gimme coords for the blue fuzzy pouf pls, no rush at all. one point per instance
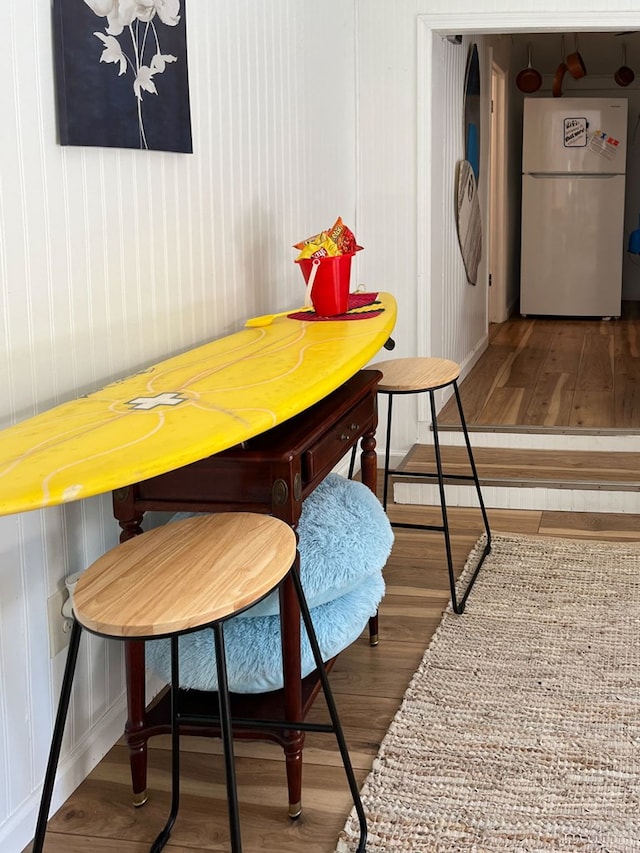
(344, 541)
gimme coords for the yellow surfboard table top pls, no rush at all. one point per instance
(183, 409)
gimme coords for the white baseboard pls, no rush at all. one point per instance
(18, 831)
(513, 497)
(569, 440)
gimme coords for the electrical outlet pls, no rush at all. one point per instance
(59, 627)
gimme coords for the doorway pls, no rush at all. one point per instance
(458, 329)
(466, 339)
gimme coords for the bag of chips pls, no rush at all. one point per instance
(338, 240)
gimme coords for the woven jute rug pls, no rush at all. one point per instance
(520, 730)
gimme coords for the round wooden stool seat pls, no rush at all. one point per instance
(404, 375)
(184, 575)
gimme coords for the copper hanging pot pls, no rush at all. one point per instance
(558, 77)
(561, 70)
(575, 63)
(624, 75)
(529, 80)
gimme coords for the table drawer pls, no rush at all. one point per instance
(338, 440)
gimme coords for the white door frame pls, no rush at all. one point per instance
(472, 22)
(497, 219)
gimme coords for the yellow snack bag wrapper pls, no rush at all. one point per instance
(316, 239)
(326, 249)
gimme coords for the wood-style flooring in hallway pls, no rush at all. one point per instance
(555, 373)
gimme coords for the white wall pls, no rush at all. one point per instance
(112, 259)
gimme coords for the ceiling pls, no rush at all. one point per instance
(601, 52)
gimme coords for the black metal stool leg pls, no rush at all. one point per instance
(473, 465)
(226, 732)
(457, 603)
(387, 453)
(474, 471)
(56, 738)
(352, 461)
(457, 607)
(164, 835)
(333, 711)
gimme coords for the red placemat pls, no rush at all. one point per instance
(361, 307)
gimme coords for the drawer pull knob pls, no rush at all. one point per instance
(345, 436)
(355, 426)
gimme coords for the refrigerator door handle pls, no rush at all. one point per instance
(599, 175)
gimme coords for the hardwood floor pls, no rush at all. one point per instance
(554, 373)
(369, 684)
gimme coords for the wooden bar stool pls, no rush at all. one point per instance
(420, 376)
(170, 581)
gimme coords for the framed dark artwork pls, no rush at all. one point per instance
(121, 74)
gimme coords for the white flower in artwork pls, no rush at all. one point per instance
(113, 52)
(139, 18)
(144, 80)
(168, 10)
(122, 13)
(160, 60)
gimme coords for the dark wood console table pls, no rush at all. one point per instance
(273, 473)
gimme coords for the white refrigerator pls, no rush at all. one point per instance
(573, 163)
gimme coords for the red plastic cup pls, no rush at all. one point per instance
(330, 291)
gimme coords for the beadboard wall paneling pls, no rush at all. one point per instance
(406, 165)
(387, 176)
(411, 169)
(387, 173)
(111, 259)
(458, 315)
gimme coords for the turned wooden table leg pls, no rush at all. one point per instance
(369, 469)
(369, 461)
(290, 628)
(374, 639)
(137, 743)
(130, 521)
